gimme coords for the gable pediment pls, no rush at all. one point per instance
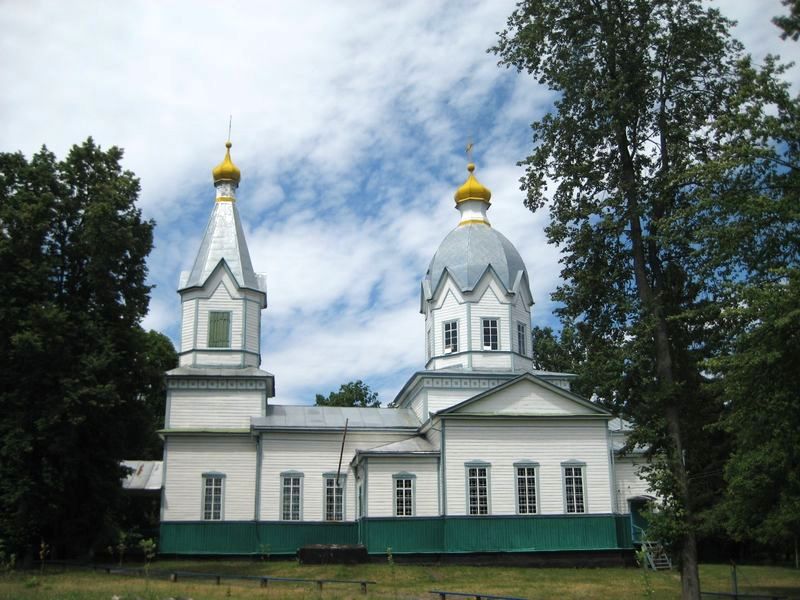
(527, 395)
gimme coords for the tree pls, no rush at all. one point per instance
(760, 380)
(790, 23)
(355, 393)
(72, 253)
(634, 148)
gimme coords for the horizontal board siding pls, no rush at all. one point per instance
(213, 408)
(187, 458)
(629, 483)
(527, 397)
(521, 314)
(220, 300)
(187, 325)
(506, 442)
(250, 537)
(418, 405)
(253, 319)
(312, 454)
(492, 360)
(381, 485)
(450, 310)
(439, 399)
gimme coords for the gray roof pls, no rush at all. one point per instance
(413, 445)
(145, 474)
(333, 417)
(468, 251)
(224, 240)
(218, 372)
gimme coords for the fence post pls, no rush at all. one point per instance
(319, 585)
(218, 578)
(363, 587)
(173, 577)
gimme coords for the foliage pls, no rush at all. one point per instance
(73, 368)
(662, 144)
(355, 393)
(760, 381)
(148, 547)
(790, 23)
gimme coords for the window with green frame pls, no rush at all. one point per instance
(219, 329)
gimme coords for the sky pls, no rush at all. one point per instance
(349, 126)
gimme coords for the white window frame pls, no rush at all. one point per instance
(326, 477)
(207, 502)
(450, 346)
(484, 325)
(477, 466)
(411, 487)
(291, 475)
(527, 465)
(571, 501)
(521, 337)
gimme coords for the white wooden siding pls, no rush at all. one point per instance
(187, 458)
(439, 399)
(450, 310)
(629, 483)
(447, 361)
(527, 397)
(493, 360)
(521, 314)
(418, 405)
(220, 300)
(253, 344)
(312, 454)
(490, 306)
(187, 325)
(380, 493)
(503, 443)
(213, 408)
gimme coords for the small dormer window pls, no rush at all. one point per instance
(219, 329)
(450, 337)
(521, 337)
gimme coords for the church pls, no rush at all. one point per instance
(478, 453)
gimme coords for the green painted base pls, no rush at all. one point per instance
(415, 535)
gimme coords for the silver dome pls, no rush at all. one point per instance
(468, 251)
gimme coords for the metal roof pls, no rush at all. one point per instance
(224, 240)
(468, 251)
(413, 445)
(333, 417)
(146, 474)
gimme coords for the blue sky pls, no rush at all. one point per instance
(349, 125)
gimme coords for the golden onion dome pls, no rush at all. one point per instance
(472, 189)
(226, 170)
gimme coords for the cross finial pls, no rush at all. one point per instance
(230, 122)
(470, 145)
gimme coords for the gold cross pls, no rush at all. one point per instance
(470, 145)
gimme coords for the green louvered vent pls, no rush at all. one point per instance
(219, 329)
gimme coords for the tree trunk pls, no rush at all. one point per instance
(651, 303)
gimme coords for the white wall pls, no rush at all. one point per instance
(187, 458)
(380, 493)
(527, 397)
(629, 484)
(312, 454)
(503, 443)
(213, 408)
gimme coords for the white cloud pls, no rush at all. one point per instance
(349, 120)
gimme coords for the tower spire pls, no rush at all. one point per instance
(226, 175)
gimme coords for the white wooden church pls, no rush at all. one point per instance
(478, 453)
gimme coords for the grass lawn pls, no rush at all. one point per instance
(394, 583)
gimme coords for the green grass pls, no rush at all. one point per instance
(400, 583)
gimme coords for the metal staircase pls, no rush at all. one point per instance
(655, 556)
